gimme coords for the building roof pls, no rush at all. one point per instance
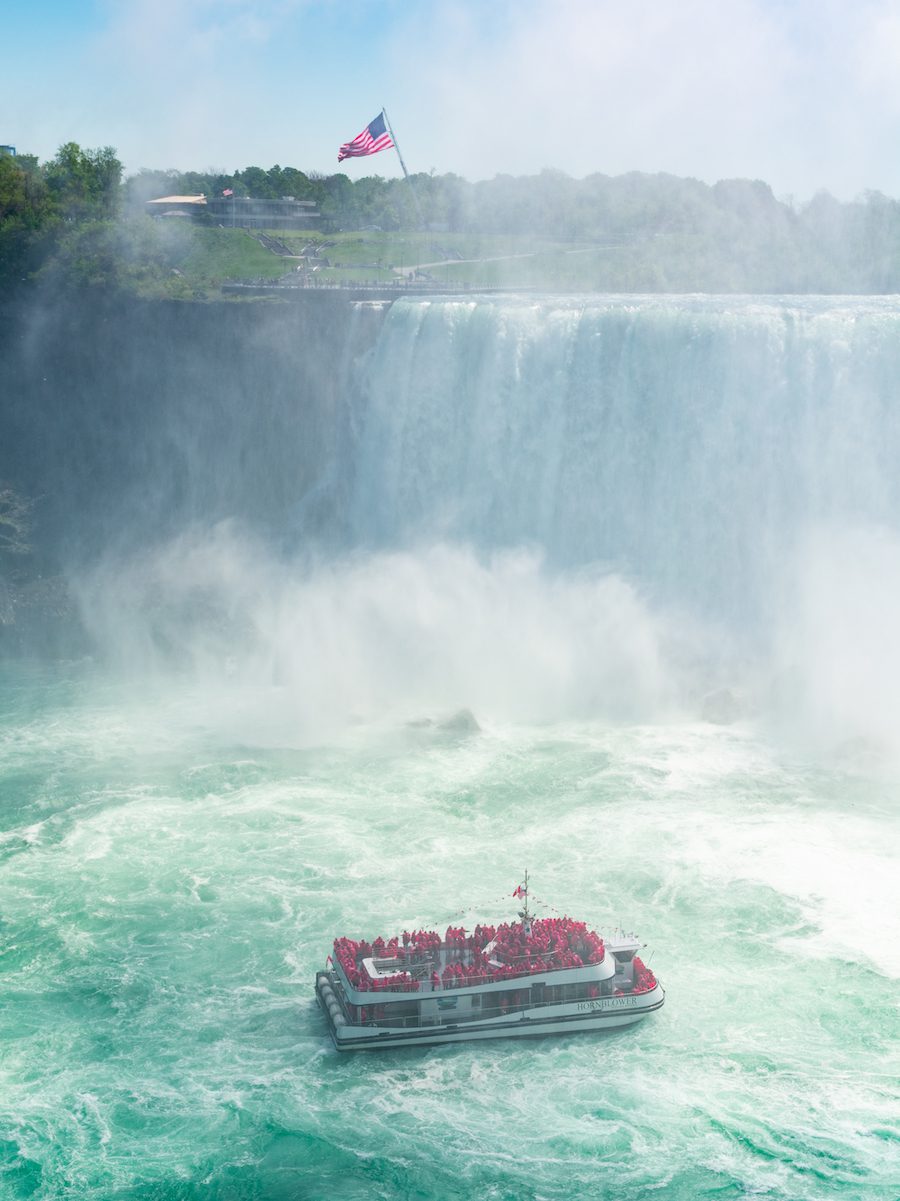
(201, 199)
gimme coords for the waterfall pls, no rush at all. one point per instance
(538, 505)
(690, 444)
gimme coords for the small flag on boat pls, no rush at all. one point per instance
(373, 138)
(519, 892)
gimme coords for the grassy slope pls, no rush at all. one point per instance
(676, 262)
(219, 254)
(454, 259)
(201, 259)
(193, 261)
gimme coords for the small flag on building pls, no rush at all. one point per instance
(373, 138)
(228, 191)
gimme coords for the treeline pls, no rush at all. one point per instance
(40, 201)
(677, 234)
(734, 235)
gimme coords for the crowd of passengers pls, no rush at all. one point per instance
(550, 944)
(569, 943)
(644, 979)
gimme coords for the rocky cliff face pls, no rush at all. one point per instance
(124, 421)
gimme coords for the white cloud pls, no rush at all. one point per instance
(742, 88)
(802, 95)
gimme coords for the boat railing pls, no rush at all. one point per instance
(430, 963)
(420, 972)
(492, 1005)
(483, 1013)
(413, 1022)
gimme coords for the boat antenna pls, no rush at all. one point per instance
(524, 912)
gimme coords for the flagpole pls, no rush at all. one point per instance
(387, 122)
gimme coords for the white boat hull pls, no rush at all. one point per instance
(588, 1016)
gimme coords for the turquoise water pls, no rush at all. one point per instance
(171, 878)
(578, 518)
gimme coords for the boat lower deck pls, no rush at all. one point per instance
(526, 1021)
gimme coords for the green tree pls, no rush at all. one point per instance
(23, 193)
(336, 200)
(295, 183)
(149, 185)
(254, 181)
(24, 212)
(84, 184)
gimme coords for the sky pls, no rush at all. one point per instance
(804, 94)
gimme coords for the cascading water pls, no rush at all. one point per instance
(691, 444)
(574, 517)
(657, 497)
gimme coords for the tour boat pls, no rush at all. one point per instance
(525, 978)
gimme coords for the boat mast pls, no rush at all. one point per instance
(524, 912)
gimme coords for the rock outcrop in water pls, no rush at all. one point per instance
(723, 707)
(461, 724)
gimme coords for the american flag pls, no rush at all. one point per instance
(227, 191)
(373, 138)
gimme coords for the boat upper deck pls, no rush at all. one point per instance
(422, 961)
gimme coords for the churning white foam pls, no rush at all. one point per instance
(392, 634)
(398, 635)
(838, 645)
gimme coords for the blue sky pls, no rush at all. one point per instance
(803, 95)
